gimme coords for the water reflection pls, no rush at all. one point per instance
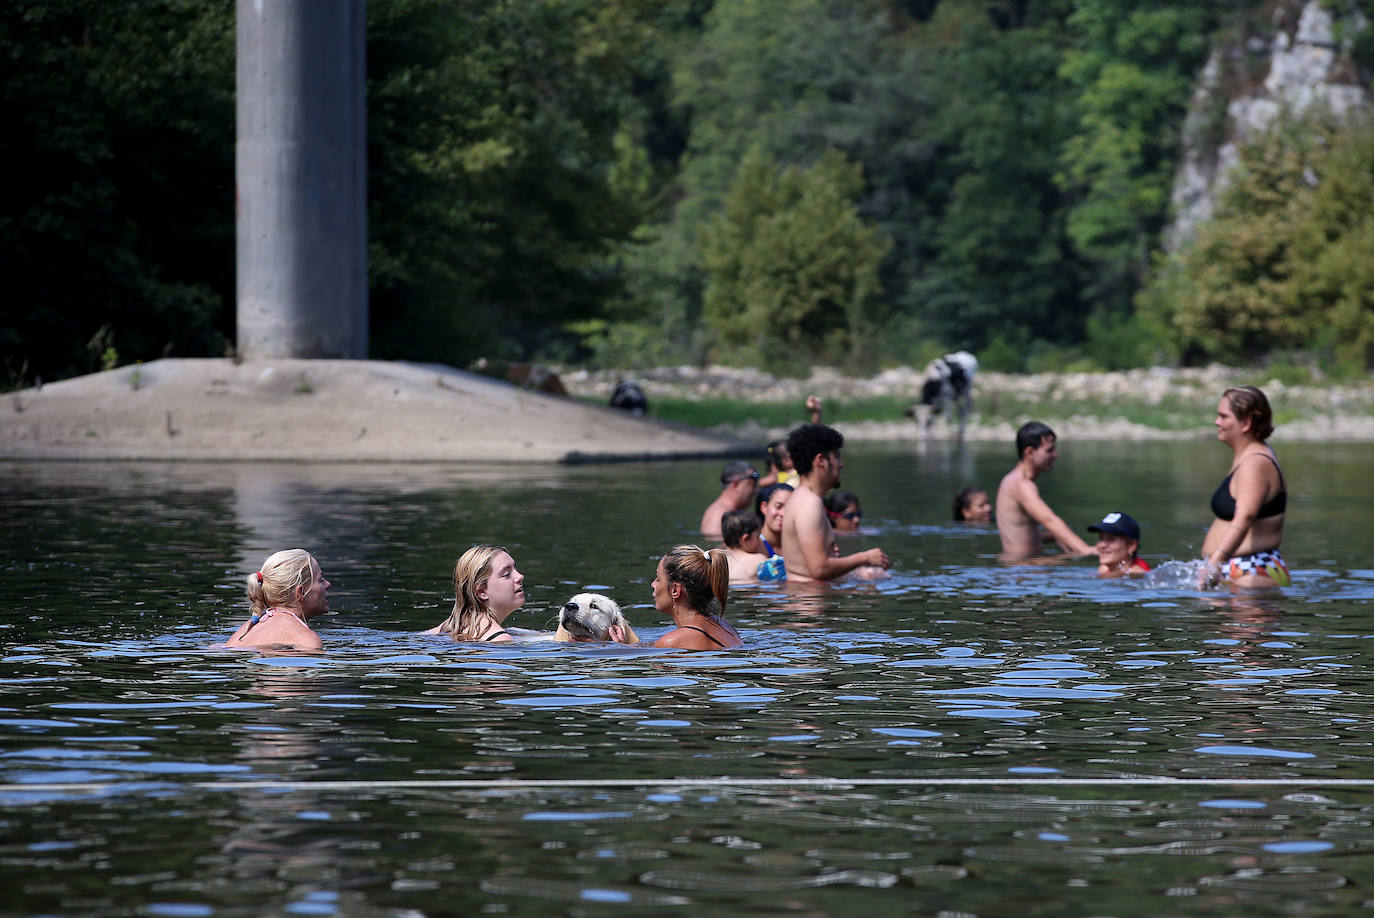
(955, 667)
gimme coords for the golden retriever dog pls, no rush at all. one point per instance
(593, 617)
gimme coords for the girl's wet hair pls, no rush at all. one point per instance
(963, 500)
(1249, 403)
(283, 577)
(704, 575)
(470, 577)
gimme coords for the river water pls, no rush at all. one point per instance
(964, 737)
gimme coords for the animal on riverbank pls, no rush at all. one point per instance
(628, 396)
(593, 617)
(948, 381)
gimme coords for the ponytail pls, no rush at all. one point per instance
(703, 574)
(282, 576)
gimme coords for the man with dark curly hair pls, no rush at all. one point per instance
(808, 541)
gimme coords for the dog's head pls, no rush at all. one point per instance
(593, 617)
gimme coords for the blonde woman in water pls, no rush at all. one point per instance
(486, 589)
(282, 598)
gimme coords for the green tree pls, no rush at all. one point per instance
(998, 266)
(792, 269)
(1333, 252)
(1132, 65)
(118, 220)
(494, 211)
(1285, 263)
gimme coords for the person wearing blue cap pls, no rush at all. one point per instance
(1118, 540)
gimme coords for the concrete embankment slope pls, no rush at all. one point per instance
(337, 410)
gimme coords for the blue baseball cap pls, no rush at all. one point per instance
(1117, 523)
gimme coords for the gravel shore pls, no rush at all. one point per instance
(1179, 403)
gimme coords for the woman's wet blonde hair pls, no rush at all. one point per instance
(277, 583)
(704, 575)
(470, 577)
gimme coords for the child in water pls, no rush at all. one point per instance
(971, 505)
(741, 532)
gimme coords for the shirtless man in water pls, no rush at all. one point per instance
(808, 542)
(1021, 511)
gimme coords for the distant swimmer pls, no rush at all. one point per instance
(971, 505)
(771, 501)
(808, 540)
(738, 481)
(282, 597)
(1021, 509)
(1118, 540)
(749, 563)
(1242, 546)
(486, 590)
(843, 509)
(689, 585)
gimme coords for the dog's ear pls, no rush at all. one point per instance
(624, 634)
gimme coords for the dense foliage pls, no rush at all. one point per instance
(636, 181)
(1288, 262)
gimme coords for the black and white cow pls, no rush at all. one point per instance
(948, 381)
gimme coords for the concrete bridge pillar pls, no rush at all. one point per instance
(301, 172)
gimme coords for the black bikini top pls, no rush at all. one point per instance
(1224, 505)
(703, 631)
(496, 634)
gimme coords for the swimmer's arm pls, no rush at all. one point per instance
(1038, 510)
(820, 564)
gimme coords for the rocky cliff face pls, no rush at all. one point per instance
(1248, 83)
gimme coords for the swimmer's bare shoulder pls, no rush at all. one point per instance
(804, 519)
(1014, 524)
(277, 633)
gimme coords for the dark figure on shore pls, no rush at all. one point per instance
(628, 396)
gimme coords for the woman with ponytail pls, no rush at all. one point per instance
(688, 581)
(486, 589)
(288, 591)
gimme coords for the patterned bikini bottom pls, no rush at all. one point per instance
(1264, 563)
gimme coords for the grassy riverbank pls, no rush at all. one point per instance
(1156, 402)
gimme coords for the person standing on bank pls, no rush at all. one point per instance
(1242, 546)
(282, 597)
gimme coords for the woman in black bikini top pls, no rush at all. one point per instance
(687, 582)
(486, 589)
(1242, 545)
